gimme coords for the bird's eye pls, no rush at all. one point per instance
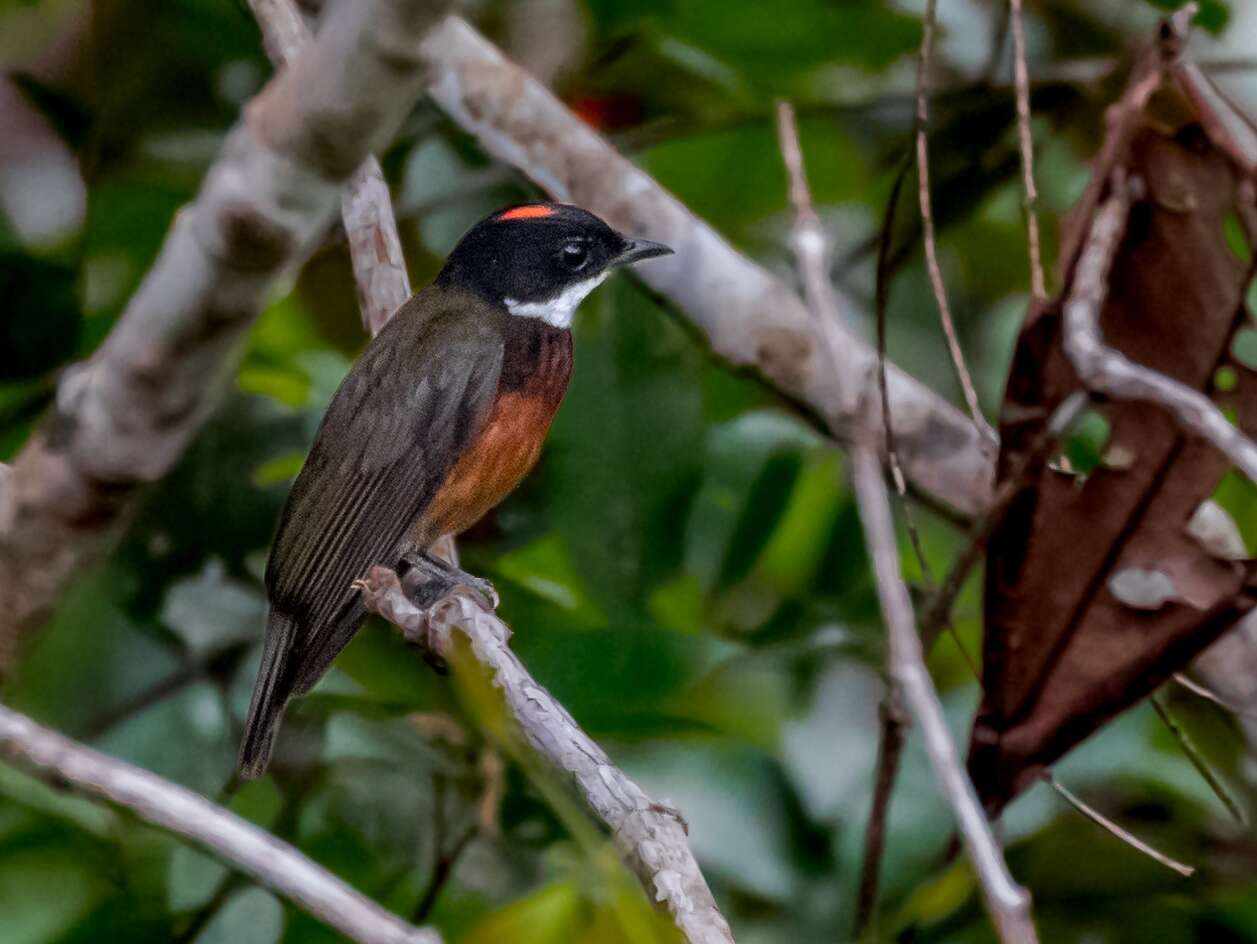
(574, 256)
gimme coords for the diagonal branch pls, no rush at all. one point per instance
(927, 224)
(1025, 141)
(124, 418)
(223, 834)
(1008, 902)
(750, 317)
(650, 837)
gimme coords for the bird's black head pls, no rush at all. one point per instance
(540, 260)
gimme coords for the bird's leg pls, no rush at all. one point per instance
(432, 579)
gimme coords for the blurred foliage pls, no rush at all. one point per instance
(684, 571)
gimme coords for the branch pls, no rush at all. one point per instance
(650, 837)
(927, 225)
(1007, 902)
(124, 418)
(1108, 370)
(225, 835)
(749, 317)
(375, 248)
(1025, 140)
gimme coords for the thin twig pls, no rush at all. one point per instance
(1025, 139)
(1210, 695)
(1198, 761)
(235, 841)
(1105, 823)
(1007, 902)
(651, 838)
(890, 743)
(927, 225)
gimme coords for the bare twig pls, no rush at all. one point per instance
(124, 418)
(890, 743)
(235, 841)
(927, 225)
(1108, 370)
(1107, 824)
(1025, 139)
(1198, 761)
(375, 248)
(749, 316)
(1007, 902)
(649, 836)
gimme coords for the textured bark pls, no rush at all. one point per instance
(650, 837)
(235, 841)
(124, 417)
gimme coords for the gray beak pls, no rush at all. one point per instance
(638, 249)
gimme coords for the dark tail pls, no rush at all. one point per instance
(270, 696)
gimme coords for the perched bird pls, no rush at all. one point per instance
(440, 418)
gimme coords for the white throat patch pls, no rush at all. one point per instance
(557, 311)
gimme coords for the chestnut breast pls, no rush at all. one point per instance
(536, 368)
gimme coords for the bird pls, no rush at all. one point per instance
(439, 419)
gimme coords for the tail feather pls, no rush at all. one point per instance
(270, 696)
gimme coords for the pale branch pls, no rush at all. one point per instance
(926, 205)
(1007, 902)
(649, 836)
(749, 317)
(124, 417)
(375, 248)
(238, 843)
(1108, 370)
(1025, 142)
(811, 248)
(1108, 825)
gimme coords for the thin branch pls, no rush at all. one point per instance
(650, 837)
(375, 248)
(235, 841)
(1108, 370)
(1105, 823)
(1198, 761)
(124, 418)
(1007, 902)
(1025, 139)
(892, 736)
(927, 224)
(750, 317)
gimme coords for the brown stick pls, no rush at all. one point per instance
(1025, 140)
(927, 225)
(1108, 825)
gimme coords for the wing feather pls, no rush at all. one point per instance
(405, 412)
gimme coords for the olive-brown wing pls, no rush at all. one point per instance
(396, 426)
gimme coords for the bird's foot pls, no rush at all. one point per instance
(427, 579)
(672, 812)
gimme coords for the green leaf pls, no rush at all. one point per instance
(251, 917)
